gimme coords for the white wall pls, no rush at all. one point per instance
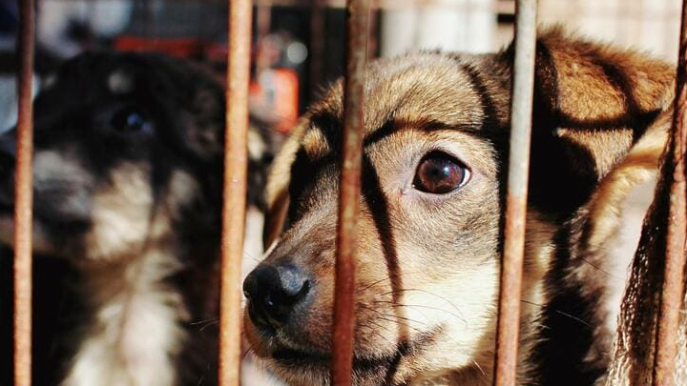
(455, 25)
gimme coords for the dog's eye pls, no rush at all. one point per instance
(439, 173)
(130, 120)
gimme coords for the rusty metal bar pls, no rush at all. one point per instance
(23, 193)
(317, 26)
(358, 15)
(234, 194)
(672, 294)
(263, 23)
(516, 199)
(264, 18)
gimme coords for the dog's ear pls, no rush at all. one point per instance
(592, 104)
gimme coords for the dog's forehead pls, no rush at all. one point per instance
(415, 91)
(105, 74)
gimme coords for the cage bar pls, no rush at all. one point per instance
(516, 196)
(263, 21)
(358, 15)
(317, 31)
(672, 294)
(234, 193)
(23, 192)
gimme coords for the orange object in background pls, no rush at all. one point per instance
(179, 47)
(275, 95)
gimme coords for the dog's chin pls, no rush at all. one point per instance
(42, 242)
(299, 366)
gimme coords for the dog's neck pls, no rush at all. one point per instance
(136, 323)
(135, 330)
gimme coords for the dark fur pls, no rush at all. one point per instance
(76, 117)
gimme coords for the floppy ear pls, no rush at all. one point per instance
(592, 104)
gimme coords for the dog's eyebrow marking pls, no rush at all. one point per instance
(393, 126)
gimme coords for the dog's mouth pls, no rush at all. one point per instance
(381, 366)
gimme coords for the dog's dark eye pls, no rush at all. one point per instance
(439, 173)
(130, 120)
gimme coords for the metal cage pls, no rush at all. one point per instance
(358, 12)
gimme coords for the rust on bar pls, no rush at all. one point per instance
(263, 25)
(317, 33)
(234, 193)
(23, 193)
(358, 13)
(516, 199)
(672, 294)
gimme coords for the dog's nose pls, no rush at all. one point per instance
(274, 292)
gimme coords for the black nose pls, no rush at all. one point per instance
(274, 292)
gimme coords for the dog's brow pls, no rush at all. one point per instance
(395, 125)
(329, 125)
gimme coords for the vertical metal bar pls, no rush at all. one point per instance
(516, 199)
(264, 24)
(672, 294)
(264, 18)
(358, 14)
(234, 194)
(317, 26)
(23, 193)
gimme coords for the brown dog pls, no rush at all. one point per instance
(429, 240)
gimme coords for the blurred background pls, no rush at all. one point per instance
(298, 44)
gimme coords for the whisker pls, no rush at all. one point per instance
(479, 367)
(431, 294)
(423, 306)
(567, 315)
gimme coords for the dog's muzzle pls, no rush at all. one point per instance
(275, 294)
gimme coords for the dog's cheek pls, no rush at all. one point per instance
(182, 190)
(121, 214)
(462, 308)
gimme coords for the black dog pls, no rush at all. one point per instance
(127, 194)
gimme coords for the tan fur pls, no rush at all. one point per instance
(442, 278)
(122, 215)
(129, 253)
(136, 328)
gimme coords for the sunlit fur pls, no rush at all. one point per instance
(428, 266)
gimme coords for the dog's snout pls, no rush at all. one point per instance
(274, 292)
